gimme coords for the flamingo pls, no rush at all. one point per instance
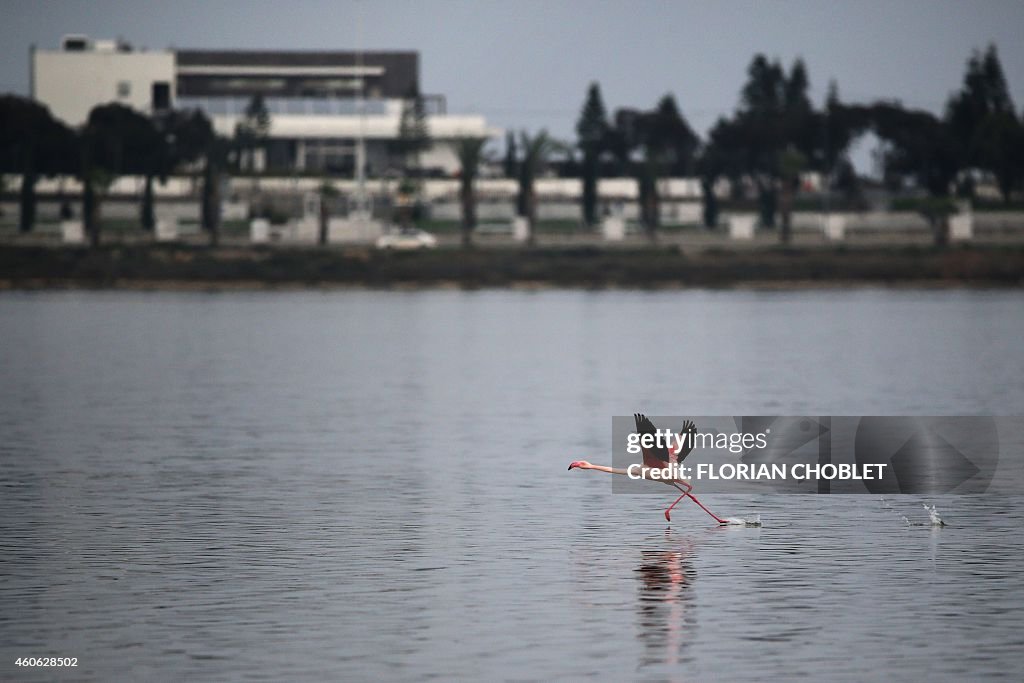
(659, 458)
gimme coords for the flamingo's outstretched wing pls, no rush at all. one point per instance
(654, 456)
(689, 432)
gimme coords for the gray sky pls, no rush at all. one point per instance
(527, 63)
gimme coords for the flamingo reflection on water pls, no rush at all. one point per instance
(665, 606)
(659, 458)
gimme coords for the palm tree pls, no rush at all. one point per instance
(470, 152)
(215, 158)
(791, 164)
(669, 145)
(536, 151)
(116, 141)
(327, 192)
(191, 139)
(33, 143)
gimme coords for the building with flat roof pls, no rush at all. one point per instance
(320, 102)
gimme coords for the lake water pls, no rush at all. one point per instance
(364, 485)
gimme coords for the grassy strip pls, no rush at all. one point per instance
(586, 267)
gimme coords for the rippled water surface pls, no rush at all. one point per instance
(372, 485)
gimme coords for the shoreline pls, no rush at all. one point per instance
(215, 286)
(193, 268)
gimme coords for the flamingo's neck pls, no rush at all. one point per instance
(609, 470)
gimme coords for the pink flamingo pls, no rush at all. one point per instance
(659, 458)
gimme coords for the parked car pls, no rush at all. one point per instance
(409, 238)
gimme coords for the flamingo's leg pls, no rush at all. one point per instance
(668, 510)
(687, 493)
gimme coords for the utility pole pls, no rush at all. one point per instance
(361, 112)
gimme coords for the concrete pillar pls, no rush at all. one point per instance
(166, 228)
(741, 226)
(961, 225)
(834, 227)
(72, 232)
(613, 228)
(520, 229)
(259, 231)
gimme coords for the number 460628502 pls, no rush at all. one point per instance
(46, 661)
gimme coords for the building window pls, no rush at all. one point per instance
(124, 89)
(161, 96)
(76, 43)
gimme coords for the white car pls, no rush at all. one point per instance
(411, 238)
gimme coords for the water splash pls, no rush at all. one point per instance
(934, 519)
(743, 521)
(934, 515)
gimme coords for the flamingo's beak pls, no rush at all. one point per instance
(573, 464)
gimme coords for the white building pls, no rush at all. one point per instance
(320, 102)
(74, 79)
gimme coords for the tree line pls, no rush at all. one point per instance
(776, 133)
(118, 141)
